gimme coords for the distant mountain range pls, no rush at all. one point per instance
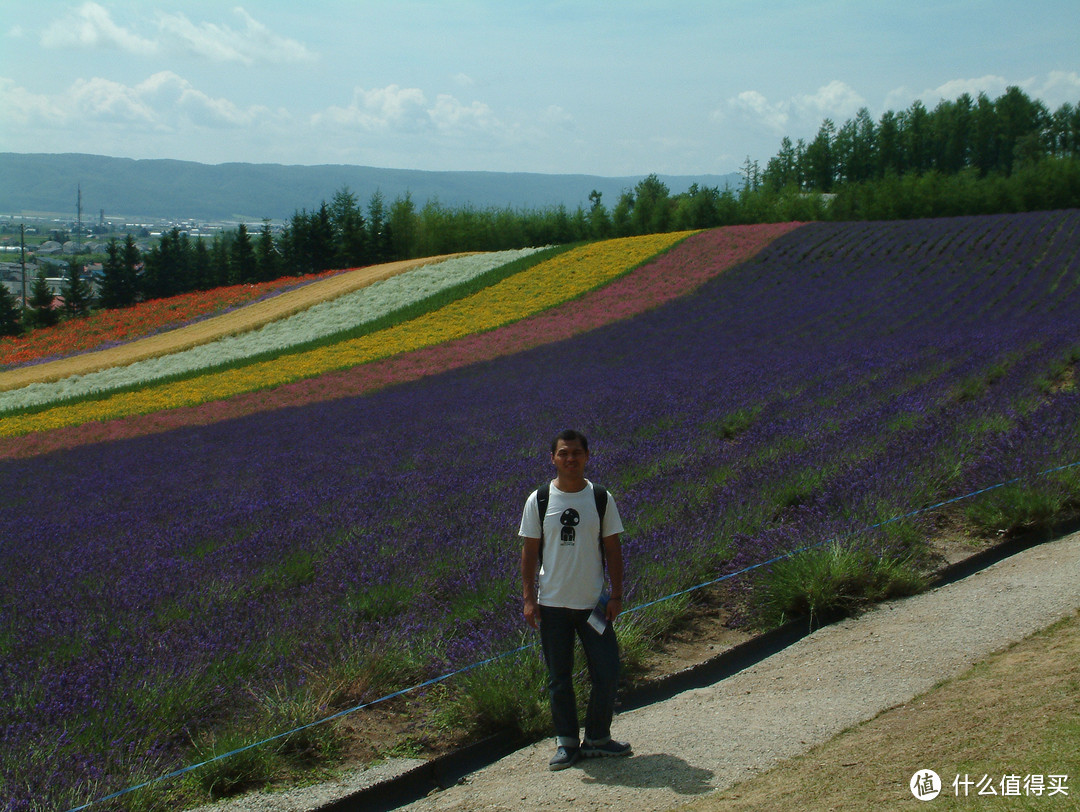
(178, 190)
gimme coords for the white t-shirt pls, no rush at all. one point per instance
(572, 573)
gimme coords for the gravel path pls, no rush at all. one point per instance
(711, 738)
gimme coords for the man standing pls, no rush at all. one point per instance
(562, 569)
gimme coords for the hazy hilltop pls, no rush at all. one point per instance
(185, 189)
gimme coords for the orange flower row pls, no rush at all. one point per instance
(106, 328)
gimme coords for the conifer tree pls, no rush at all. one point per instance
(202, 266)
(266, 255)
(41, 303)
(132, 259)
(243, 264)
(76, 291)
(9, 313)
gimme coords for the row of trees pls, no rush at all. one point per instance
(344, 234)
(41, 310)
(968, 156)
(981, 135)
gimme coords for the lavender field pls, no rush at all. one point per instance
(152, 589)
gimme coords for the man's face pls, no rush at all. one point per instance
(570, 458)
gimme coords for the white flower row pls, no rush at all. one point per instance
(319, 321)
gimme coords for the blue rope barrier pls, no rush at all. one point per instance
(878, 526)
(519, 649)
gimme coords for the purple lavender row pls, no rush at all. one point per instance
(150, 588)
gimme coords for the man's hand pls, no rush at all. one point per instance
(530, 555)
(531, 614)
(613, 554)
(614, 608)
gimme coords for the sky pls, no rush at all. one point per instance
(599, 87)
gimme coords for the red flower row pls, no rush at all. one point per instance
(106, 328)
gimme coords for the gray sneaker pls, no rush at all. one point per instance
(608, 748)
(564, 757)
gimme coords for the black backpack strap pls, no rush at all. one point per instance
(600, 494)
(543, 493)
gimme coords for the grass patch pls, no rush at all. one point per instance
(1013, 508)
(1013, 714)
(379, 601)
(831, 582)
(732, 425)
(295, 570)
(277, 742)
(506, 694)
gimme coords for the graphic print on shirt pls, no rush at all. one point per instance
(569, 520)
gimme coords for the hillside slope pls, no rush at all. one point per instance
(155, 590)
(184, 189)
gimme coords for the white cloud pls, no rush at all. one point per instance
(173, 96)
(450, 116)
(220, 43)
(407, 110)
(91, 26)
(902, 98)
(273, 47)
(388, 108)
(1059, 87)
(162, 102)
(20, 108)
(755, 105)
(992, 86)
(1054, 89)
(836, 100)
(101, 100)
(555, 116)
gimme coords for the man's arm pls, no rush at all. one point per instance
(530, 556)
(613, 555)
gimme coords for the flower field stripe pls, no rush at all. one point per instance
(106, 328)
(161, 596)
(202, 332)
(674, 273)
(383, 302)
(557, 280)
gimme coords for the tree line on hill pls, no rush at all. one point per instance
(967, 156)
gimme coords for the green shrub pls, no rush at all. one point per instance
(507, 694)
(258, 765)
(240, 770)
(1017, 507)
(830, 582)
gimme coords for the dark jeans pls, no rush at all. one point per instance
(558, 628)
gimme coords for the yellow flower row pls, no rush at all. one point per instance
(559, 279)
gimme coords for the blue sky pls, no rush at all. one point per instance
(603, 87)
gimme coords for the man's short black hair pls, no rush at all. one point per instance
(569, 436)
